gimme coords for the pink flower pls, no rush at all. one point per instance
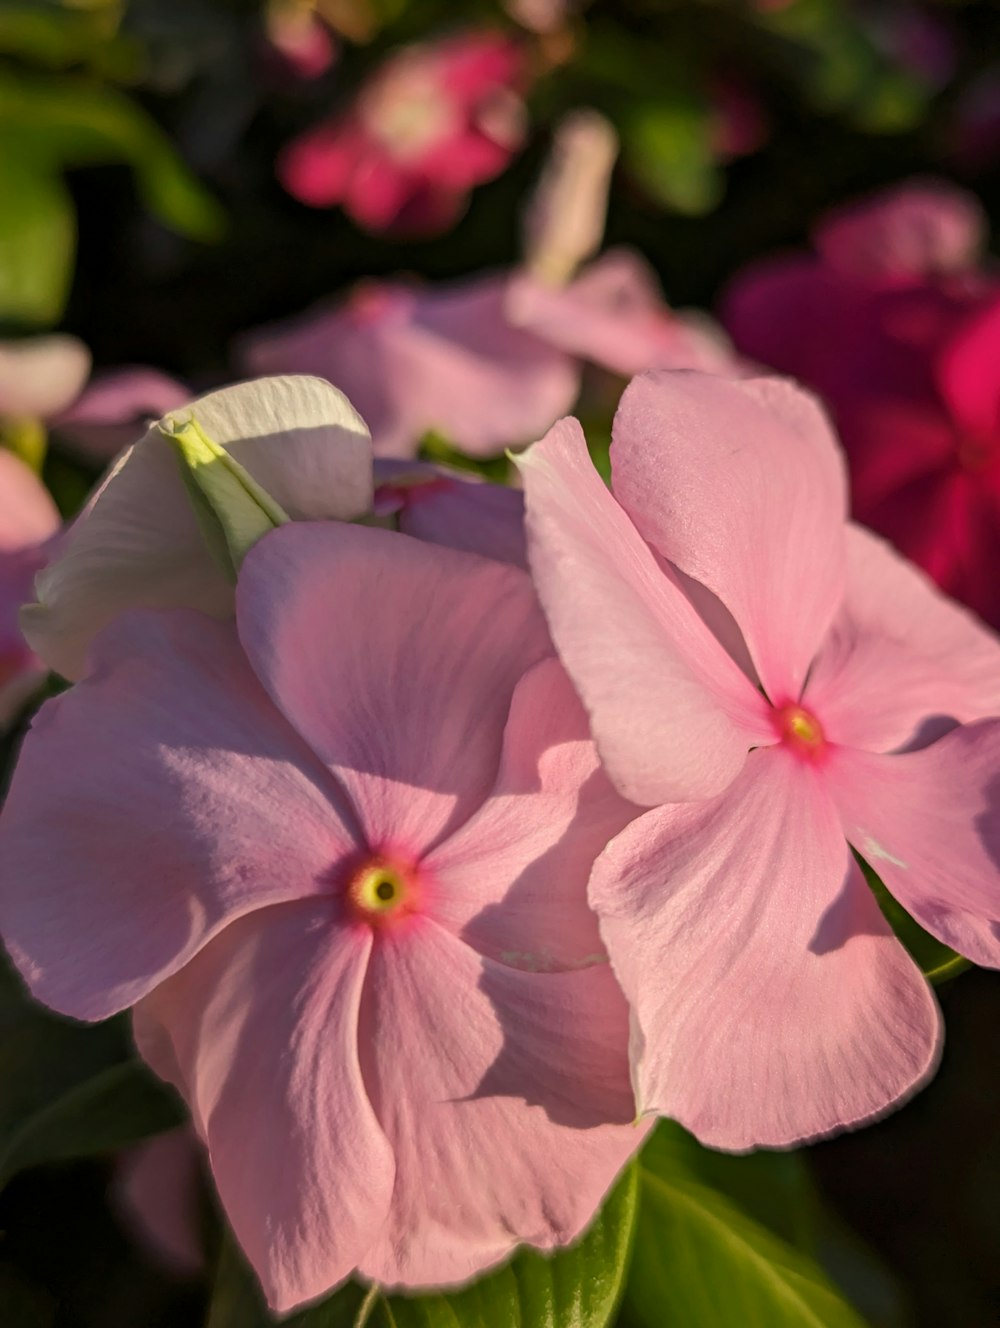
(433, 121)
(115, 409)
(137, 543)
(457, 510)
(40, 376)
(896, 328)
(28, 521)
(299, 39)
(774, 683)
(414, 360)
(369, 807)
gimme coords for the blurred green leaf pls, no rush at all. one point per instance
(667, 146)
(68, 1089)
(37, 239)
(574, 1288)
(705, 1253)
(68, 122)
(58, 38)
(937, 962)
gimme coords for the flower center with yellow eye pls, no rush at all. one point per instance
(379, 891)
(800, 730)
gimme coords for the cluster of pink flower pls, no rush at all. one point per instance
(441, 835)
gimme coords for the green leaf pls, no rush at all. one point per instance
(37, 239)
(937, 962)
(68, 1089)
(667, 145)
(67, 122)
(702, 1257)
(575, 1288)
(234, 512)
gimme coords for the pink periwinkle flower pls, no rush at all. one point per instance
(433, 121)
(115, 409)
(898, 328)
(28, 523)
(369, 806)
(458, 510)
(778, 687)
(419, 359)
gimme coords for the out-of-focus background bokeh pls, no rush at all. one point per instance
(177, 174)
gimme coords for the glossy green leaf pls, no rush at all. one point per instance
(703, 1256)
(575, 1288)
(937, 962)
(66, 122)
(37, 239)
(68, 1089)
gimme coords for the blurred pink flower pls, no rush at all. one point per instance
(418, 359)
(300, 39)
(138, 544)
(157, 1192)
(40, 376)
(28, 522)
(370, 807)
(740, 124)
(115, 409)
(897, 326)
(770, 680)
(433, 121)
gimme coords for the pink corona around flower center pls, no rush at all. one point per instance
(379, 892)
(800, 730)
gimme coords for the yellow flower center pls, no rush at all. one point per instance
(379, 891)
(800, 730)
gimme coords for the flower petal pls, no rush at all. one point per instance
(41, 375)
(260, 1034)
(901, 658)
(137, 543)
(169, 777)
(28, 516)
(671, 713)
(115, 409)
(512, 882)
(741, 485)
(929, 823)
(772, 1002)
(410, 710)
(969, 378)
(495, 1088)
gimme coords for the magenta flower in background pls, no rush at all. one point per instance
(774, 683)
(115, 409)
(28, 523)
(157, 1191)
(419, 359)
(138, 544)
(370, 807)
(898, 327)
(432, 122)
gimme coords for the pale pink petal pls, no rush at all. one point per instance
(137, 544)
(496, 1089)
(157, 1191)
(920, 228)
(115, 409)
(901, 659)
(672, 714)
(929, 823)
(772, 1003)
(396, 661)
(513, 881)
(148, 806)
(458, 510)
(28, 516)
(968, 376)
(260, 1033)
(742, 486)
(40, 376)
(614, 315)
